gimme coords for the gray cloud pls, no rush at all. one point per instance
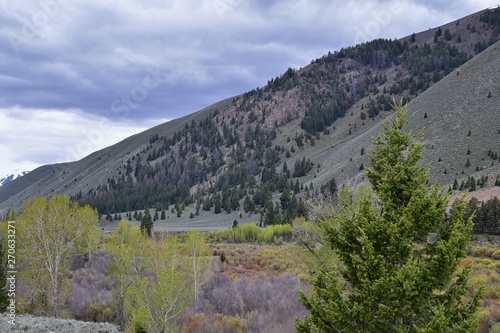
(136, 61)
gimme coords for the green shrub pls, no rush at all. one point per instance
(275, 234)
(496, 255)
(248, 233)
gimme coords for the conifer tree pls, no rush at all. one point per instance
(147, 223)
(398, 254)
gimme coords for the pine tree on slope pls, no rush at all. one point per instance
(398, 254)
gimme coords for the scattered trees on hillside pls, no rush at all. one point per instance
(398, 252)
(231, 151)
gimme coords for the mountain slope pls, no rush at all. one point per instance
(268, 149)
(91, 171)
(465, 100)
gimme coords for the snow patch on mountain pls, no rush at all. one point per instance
(10, 177)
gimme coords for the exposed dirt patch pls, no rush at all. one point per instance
(481, 195)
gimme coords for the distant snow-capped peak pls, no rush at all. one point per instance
(10, 177)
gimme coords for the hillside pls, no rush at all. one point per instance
(265, 152)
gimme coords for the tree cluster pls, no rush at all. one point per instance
(485, 215)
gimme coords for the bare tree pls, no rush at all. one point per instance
(90, 298)
(196, 246)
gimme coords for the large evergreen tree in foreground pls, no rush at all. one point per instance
(398, 253)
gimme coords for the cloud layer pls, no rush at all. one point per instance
(29, 137)
(139, 61)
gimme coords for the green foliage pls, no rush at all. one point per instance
(251, 233)
(302, 167)
(128, 247)
(398, 255)
(239, 234)
(275, 234)
(50, 235)
(156, 301)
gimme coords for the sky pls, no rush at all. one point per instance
(79, 75)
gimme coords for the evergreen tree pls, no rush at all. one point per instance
(285, 200)
(270, 218)
(392, 275)
(146, 223)
(472, 183)
(217, 204)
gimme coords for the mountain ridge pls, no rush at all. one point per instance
(320, 106)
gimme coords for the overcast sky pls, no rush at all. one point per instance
(79, 75)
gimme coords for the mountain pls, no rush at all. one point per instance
(261, 155)
(9, 177)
